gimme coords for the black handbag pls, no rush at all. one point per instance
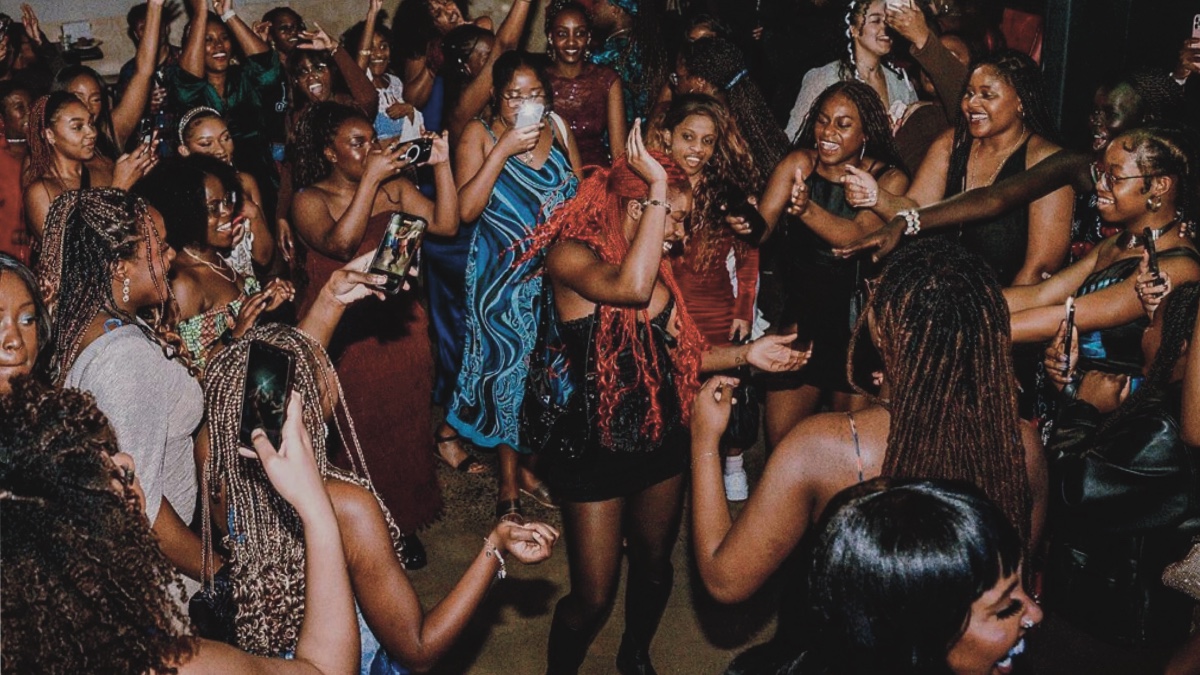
(742, 432)
(553, 416)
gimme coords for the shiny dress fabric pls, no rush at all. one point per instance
(583, 103)
(382, 354)
(502, 300)
(709, 295)
(632, 463)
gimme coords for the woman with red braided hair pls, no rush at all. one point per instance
(638, 356)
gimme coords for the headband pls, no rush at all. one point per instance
(191, 114)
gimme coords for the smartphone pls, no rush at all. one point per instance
(398, 249)
(1070, 331)
(1152, 249)
(530, 113)
(1196, 27)
(265, 393)
(418, 151)
(737, 205)
(146, 131)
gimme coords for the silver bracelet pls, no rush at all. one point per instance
(913, 222)
(490, 550)
(227, 15)
(647, 203)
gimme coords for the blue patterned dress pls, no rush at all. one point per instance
(502, 301)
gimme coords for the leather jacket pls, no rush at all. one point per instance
(1123, 505)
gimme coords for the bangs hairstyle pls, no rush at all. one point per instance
(266, 537)
(896, 568)
(594, 218)
(876, 124)
(945, 339)
(506, 67)
(730, 165)
(176, 189)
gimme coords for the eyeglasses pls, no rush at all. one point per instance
(1107, 179)
(673, 78)
(515, 99)
(217, 207)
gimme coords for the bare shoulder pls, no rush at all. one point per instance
(1039, 149)
(354, 505)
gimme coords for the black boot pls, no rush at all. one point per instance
(567, 647)
(645, 602)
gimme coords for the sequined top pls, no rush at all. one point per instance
(201, 332)
(583, 102)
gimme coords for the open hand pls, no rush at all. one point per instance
(316, 39)
(29, 20)
(774, 354)
(798, 199)
(907, 20)
(639, 158)
(353, 282)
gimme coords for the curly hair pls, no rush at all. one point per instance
(318, 124)
(722, 64)
(1178, 319)
(10, 265)
(876, 124)
(176, 189)
(731, 165)
(1025, 77)
(947, 354)
(87, 233)
(86, 587)
(593, 218)
(1169, 151)
(266, 539)
(43, 116)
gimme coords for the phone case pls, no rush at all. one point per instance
(265, 392)
(398, 248)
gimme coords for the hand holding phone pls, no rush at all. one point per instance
(529, 113)
(397, 249)
(1069, 334)
(265, 393)
(1151, 249)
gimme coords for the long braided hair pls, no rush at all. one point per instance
(266, 537)
(106, 135)
(42, 116)
(722, 64)
(876, 124)
(730, 165)
(87, 233)
(594, 218)
(856, 17)
(1024, 75)
(1179, 318)
(945, 339)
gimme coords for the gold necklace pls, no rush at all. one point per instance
(1000, 166)
(202, 261)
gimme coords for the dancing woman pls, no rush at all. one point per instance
(635, 358)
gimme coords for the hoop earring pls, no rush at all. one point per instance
(862, 153)
(125, 290)
(1154, 203)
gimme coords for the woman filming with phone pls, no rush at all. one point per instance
(348, 191)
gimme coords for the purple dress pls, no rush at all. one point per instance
(583, 103)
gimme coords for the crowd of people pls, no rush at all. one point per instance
(968, 349)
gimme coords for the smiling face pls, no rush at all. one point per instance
(1114, 111)
(446, 15)
(72, 133)
(18, 330)
(87, 89)
(350, 148)
(991, 104)
(692, 143)
(673, 233)
(569, 36)
(285, 32)
(381, 55)
(870, 33)
(1120, 198)
(216, 48)
(313, 77)
(15, 108)
(221, 207)
(994, 630)
(210, 136)
(839, 131)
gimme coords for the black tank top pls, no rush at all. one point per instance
(1001, 241)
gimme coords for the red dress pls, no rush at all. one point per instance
(384, 360)
(708, 293)
(583, 103)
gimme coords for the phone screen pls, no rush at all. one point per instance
(1070, 330)
(266, 391)
(398, 249)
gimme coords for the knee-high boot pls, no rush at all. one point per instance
(567, 646)
(645, 602)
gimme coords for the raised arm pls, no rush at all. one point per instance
(192, 59)
(362, 50)
(128, 112)
(247, 39)
(513, 26)
(948, 74)
(365, 95)
(616, 118)
(418, 81)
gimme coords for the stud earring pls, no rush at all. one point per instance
(125, 290)
(1154, 203)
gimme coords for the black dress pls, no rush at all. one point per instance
(595, 471)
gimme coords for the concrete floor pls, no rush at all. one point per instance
(508, 633)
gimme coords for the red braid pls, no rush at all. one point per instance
(41, 160)
(593, 217)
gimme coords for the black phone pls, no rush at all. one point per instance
(146, 131)
(735, 202)
(418, 151)
(265, 393)
(398, 249)
(1070, 331)
(1152, 249)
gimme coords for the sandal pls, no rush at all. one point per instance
(509, 511)
(540, 494)
(468, 464)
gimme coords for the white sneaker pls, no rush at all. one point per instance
(737, 487)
